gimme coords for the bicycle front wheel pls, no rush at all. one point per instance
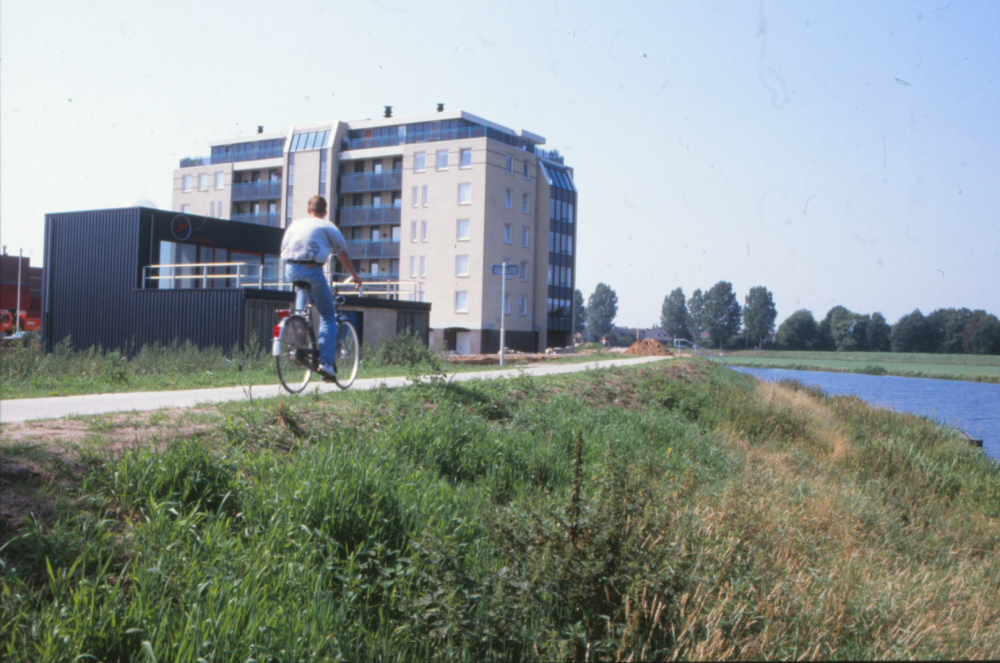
(348, 354)
(295, 353)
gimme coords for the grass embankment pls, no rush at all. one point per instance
(679, 510)
(26, 372)
(973, 368)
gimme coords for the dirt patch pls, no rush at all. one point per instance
(35, 456)
(494, 360)
(649, 348)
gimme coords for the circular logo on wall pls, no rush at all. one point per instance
(180, 227)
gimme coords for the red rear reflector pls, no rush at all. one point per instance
(283, 313)
(277, 330)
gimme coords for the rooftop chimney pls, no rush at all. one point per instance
(260, 128)
(388, 111)
(440, 108)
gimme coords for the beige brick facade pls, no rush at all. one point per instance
(480, 198)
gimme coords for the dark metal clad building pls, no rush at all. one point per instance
(122, 278)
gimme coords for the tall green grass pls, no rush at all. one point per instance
(649, 513)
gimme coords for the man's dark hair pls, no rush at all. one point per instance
(317, 205)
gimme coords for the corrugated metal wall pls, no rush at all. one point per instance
(206, 317)
(91, 267)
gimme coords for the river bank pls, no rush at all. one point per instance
(970, 368)
(678, 510)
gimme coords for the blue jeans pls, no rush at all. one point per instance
(322, 299)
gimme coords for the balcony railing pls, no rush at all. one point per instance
(251, 155)
(368, 216)
(257, 190)
(385, 181)
(272, 219)
(383, 248)
(550, 155)
(211, 275)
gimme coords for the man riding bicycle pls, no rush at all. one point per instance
(307, 245)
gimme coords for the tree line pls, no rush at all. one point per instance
(718, 314)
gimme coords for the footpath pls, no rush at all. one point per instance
(27, 409)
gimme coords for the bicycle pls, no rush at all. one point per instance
(296, 353)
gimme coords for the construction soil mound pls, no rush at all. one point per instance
(648, 347)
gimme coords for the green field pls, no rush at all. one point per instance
(30, 373)
(677, 510)
(974, 368)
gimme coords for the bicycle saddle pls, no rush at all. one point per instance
(302, 285)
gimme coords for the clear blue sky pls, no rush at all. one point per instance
(837, 152)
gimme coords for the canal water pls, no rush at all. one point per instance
(972, 406)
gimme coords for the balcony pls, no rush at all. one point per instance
(256, 190)
(383, 248)
(416, 137)
(272, 219)
(358, 182)
(368, 216)
(250, 155)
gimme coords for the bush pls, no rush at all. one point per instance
(407, 349)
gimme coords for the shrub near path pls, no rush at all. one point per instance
(679, 510)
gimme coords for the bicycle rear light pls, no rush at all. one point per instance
(284, 313)
(277, 331)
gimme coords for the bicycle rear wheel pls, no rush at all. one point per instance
(348, 354)
(295, 353)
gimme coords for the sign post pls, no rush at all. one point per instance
(504, 270)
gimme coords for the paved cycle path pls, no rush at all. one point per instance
(24, 409)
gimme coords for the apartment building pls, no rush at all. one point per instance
(430, 202)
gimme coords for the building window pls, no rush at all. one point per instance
(465, 194)
(524, 270)
(203, 182)
(463, 230)
(465, 158)
(423, 265)
(186, 183)
(524, 203)
(461, 265)
(569, 212)
(524, 236)
(423, 231)
(506, 304)
(526, 171)
(396, 233)
(416, 199)
(185, 209)
(508, 199)
(322, 172)
(461, 301)
(510, 165)
(508, 232)
(413, 266)
(426, 195)
(418, 161)
(220, 180)
(522, 305)
(212, 209)
(442, 160)
(413, 231)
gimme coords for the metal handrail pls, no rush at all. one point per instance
(251, 275)
(698, 350)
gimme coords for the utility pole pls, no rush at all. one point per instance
(17, 316)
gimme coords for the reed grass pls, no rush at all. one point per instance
(673, 511)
